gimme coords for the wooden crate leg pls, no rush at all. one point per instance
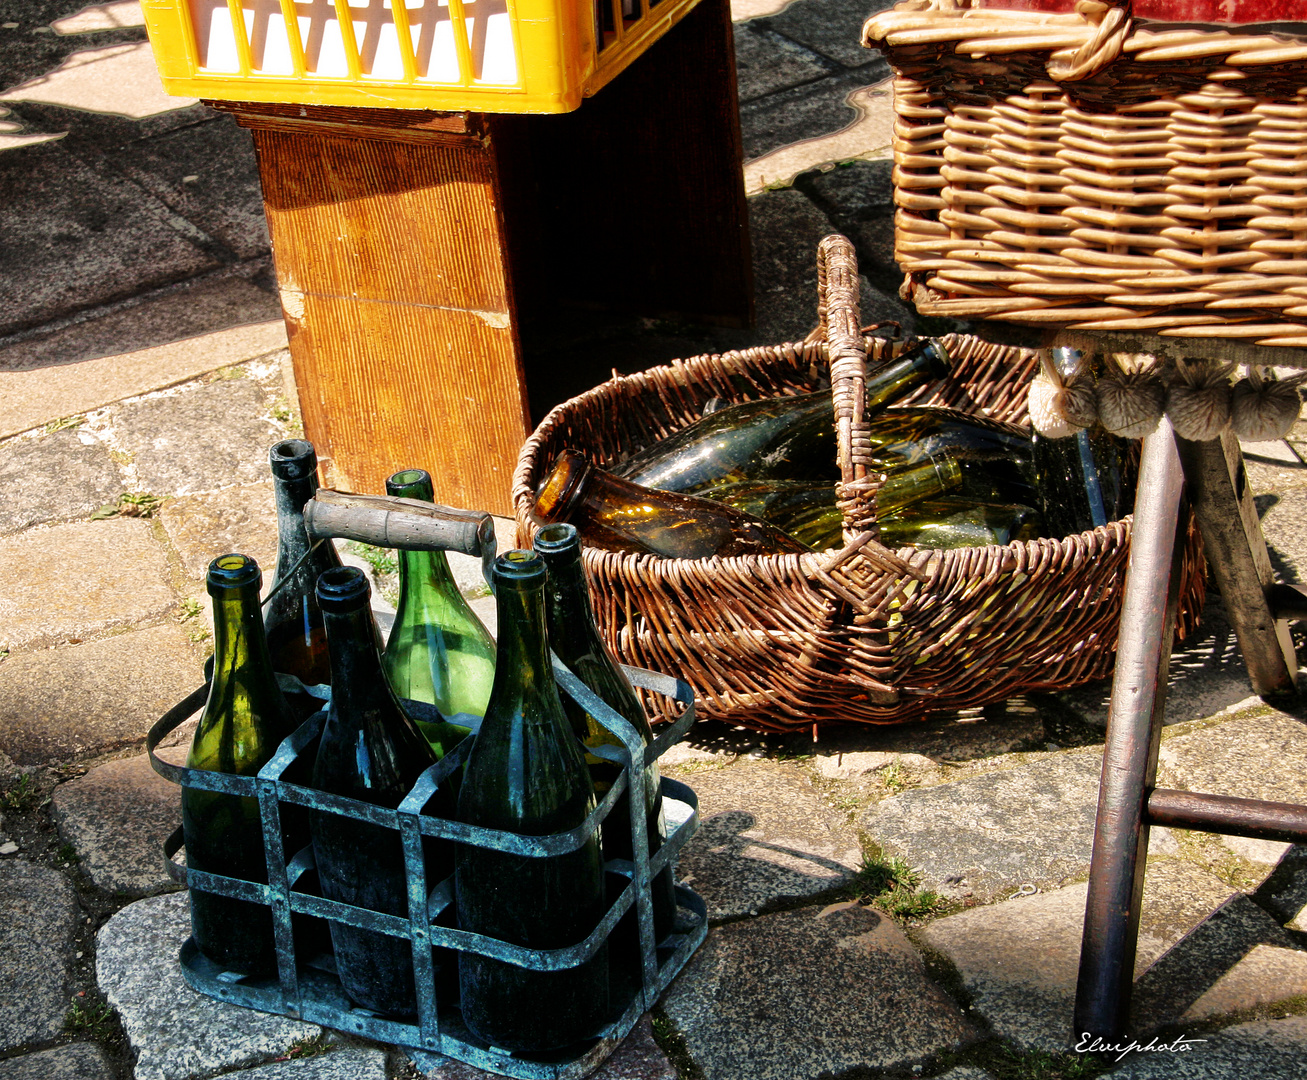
(1240, 566)
(1116, 870)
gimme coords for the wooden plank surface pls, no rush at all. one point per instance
(1238, 560)
(391, 264)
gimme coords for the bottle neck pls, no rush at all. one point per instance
(239, 644)
(290, 496)
(900, 377)
(424, 578)
(523, 670)
(357, 683)
(570, 616)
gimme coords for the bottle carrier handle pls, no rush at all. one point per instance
(407, 524)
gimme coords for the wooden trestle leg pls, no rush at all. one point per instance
(1134, 724)
(1128, 802)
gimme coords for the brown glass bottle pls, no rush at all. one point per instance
(618, 515)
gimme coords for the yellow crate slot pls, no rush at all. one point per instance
(455, 55)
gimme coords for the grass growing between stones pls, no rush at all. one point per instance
(92, 1018)
(672, 1043)
(891, 884)
(22, 796)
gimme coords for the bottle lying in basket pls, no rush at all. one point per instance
(783, 438)
(526, 774)
(244, 720)
(618, 515)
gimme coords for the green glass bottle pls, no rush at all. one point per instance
(526, 774)
(574, 637)
(996, 458)
(783, 438)
(438, 650)
(1080, 476)
(371, 751)
(292, 618)
(613, 513)
(244, 720)
(953, 522)
(808, 512)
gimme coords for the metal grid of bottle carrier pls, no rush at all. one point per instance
(507, 56)
(311, 991)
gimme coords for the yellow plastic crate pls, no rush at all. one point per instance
(509, 56)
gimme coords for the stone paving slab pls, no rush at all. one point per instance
(40, 916)
(1265, 975)
(988, 835)
(76, 1061)
(808, 993)
(30, 398)
(765, 62)
(799, 113)
(59, 477)
(206, 174)
(60, 703)
(241, 518)
(637, 1058)
(340, 1064)
(766, 838)
(1019, 960)
(68, 582)
(1266, 1049)
(175, 1032)
(1257, 756)
(786, 229)
(1284, 892)
(1284, 524)
(117, 817)
(201, 439)
(83, 236)
(1210, 961)
(834, 29)
(171, 314)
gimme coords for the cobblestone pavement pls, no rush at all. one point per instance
(143, 376)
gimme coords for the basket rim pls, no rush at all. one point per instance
(808, 564)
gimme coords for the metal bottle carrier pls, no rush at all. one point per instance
(306, 987)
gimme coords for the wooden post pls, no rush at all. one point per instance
(408, 244)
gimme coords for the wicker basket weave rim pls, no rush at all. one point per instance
(989, 31)
(803, 564)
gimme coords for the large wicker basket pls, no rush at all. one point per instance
(1083, 170)
(865, 635)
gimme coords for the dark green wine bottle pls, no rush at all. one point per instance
(621, 516)
(292, 617)
(438, 650)
(1080, 476)
(244, 720)
(783, 438)
(371, 751)
(526, 774)
(574, 637)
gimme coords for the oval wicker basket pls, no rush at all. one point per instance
(862, 635)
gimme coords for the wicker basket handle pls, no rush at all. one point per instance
(1112, 21)
(837, 312)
